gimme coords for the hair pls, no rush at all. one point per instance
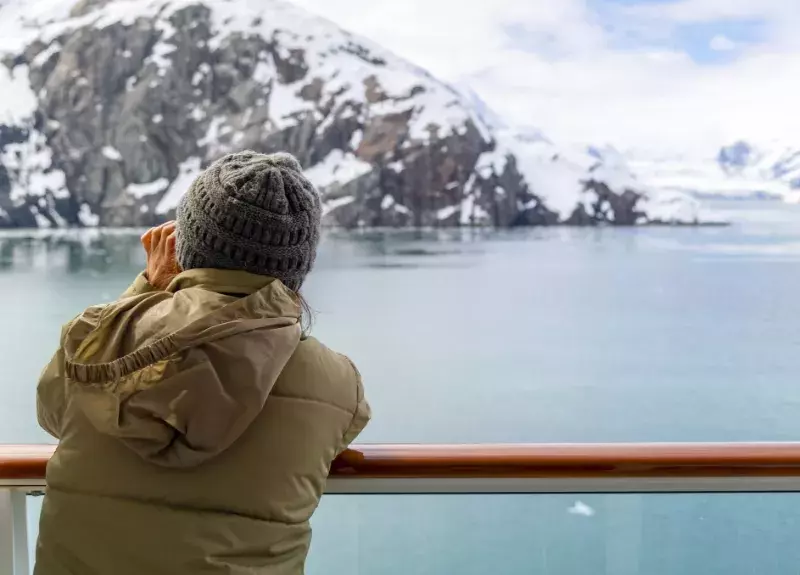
(307, 314)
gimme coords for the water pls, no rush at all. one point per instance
(531, 335)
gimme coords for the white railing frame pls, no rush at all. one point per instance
(14, 548)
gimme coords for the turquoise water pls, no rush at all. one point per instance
(532, 335)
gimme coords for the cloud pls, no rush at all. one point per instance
(600, 71)
(721, 43)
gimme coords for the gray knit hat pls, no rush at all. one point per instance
(251, 212)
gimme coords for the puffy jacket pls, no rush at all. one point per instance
(197, 428)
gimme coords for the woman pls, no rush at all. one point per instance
(197, 424)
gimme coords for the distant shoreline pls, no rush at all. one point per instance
(23, 231)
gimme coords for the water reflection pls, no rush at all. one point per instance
(403, 249)
(76, 252)
(104, 251)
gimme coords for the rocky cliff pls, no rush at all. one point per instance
(111, 107)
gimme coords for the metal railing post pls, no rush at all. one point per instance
(13, 533)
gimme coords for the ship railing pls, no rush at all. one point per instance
(397, 469)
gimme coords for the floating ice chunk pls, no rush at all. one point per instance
(580, 508)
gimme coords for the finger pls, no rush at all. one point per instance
(158, 237)
(147, 239)
(164, 239)
(171, 242)
(168, 228)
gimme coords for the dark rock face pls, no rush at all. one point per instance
(128, 110)
(608, 207)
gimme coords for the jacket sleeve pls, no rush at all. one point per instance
(139, 286)
(361, 415)
(50, 393)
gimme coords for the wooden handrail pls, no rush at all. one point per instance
(572, 460)
(644, 460)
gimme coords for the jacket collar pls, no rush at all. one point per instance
(232, 282)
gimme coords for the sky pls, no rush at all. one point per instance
(660, 77)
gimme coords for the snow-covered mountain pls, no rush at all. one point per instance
(110, 108)
(588, 185)
(739, 170)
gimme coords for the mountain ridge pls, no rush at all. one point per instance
(118, 104)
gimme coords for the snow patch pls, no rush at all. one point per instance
(612, 169)
(112, 153)
(337, 168)
(550, 173)
(43, 56)
(447, 212)
(22, 20)
(202, 71)
(211, 138)
(284, 102)
(492, 162)
(388, 202)
(331, 205)
(139, 191)
(18, 102)
(162, 48)
(30, 170)
(355, 140)
(672, 206)
(188, 171)
(396, 167)
(41, 220)
(197, 114)
(467, 210)
(87, 217)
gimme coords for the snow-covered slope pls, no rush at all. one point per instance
(589, 185)
(111, 107)
(739, 170)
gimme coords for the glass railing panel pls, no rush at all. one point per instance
(570, 534)
(621, 534)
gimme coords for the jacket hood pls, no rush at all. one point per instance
(179, 375)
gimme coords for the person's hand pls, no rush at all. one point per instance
(162, 265)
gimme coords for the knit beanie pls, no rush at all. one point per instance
(251, 212)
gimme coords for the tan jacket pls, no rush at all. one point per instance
(196, 428)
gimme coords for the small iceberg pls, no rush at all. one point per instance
(580, 508)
